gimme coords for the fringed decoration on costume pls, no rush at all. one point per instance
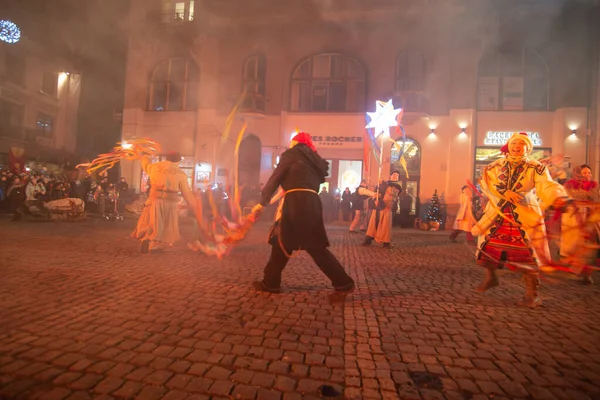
(132, 149)
(237, 227)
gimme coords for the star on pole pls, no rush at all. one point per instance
(383, 118)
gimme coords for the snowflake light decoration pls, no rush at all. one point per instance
(383, 118)
(9, 32)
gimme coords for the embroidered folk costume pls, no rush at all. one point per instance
(159, 223)
(299, 223)
(512, 229)
(380, 223)
(579, 226)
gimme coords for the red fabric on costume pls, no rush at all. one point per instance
(304, 138)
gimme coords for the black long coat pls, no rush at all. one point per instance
(301, 224)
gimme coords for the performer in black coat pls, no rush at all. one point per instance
(300, 227)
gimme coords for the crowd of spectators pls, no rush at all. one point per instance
(39, 186)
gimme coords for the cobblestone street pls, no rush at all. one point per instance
(84, 315)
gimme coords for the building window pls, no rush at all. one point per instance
(328, 82)
(45, 124)
(15, 69)
(174, 86)
(410, 82)
(513, 81)
(11, 119)
(254, 75)
(410, 72)
(49, 83)
(177, 11)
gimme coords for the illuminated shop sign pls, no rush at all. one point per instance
(336, 140)
(493, 138)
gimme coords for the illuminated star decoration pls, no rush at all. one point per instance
(9, 32)
(383, 118)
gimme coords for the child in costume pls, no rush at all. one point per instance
(464, 219)
(380, 223)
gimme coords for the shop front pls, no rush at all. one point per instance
(561, 133)
(492, 141)
(339, 140)
(345, 163)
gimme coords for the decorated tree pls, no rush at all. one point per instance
(434, 213)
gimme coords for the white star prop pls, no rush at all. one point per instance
(383, 117)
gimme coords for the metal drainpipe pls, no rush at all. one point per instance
(195, 141)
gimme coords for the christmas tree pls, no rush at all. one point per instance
(434, 213)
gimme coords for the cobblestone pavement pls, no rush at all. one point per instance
(84, 315)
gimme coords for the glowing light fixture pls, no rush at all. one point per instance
(9, 32)
(463, 133)
(126, 146)
(384, 117)
(573, 134)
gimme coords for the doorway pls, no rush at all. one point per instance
(249, 161)
(409, 167)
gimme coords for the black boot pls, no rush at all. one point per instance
(261, 287)
(367, 241)
(349, 287)
(17, 216)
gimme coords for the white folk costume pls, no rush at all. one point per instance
(464, 219)
(380, 223)
(159, 222)
(579, 225)
(514, 232)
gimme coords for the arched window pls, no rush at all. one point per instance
(328, 82)
(254, 76)
(410, 82)
(411, 152)
(177, 10)
(174, 86)
(410, 72)
(512, 80)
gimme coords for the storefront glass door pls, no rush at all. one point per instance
(409, 166)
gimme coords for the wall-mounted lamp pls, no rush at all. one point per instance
(432, 137)
(573, 134)
(463, 133)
